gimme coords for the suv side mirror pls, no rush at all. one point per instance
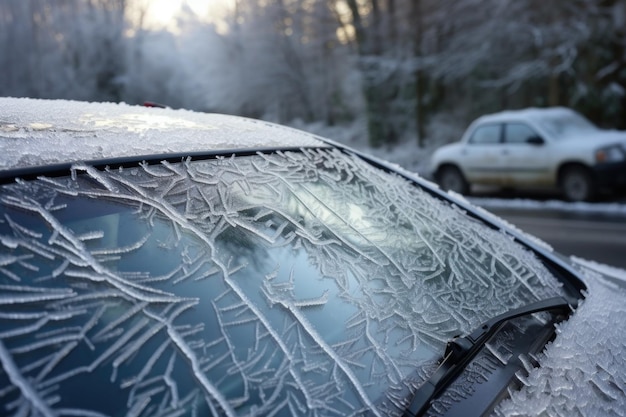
(535, 140)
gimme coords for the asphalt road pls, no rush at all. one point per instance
(597, 238)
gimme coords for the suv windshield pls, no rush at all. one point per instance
(295, 283)
(566, 125)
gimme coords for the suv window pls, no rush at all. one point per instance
(488, 134)
(518, 133)
(295, 283)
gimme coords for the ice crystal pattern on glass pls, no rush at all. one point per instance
(583, 371)
(300, 283)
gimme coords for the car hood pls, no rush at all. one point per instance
(447, 148)
(595, 139)
(583, 371)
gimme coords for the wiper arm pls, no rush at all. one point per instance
(461, 350)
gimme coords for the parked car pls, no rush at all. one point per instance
(538, 147)
(156, 262)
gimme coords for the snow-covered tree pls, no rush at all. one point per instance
(398, 65)
(62, 48)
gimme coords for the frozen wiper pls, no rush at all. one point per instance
(461, 350)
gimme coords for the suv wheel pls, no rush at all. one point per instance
(451, 178)
(576, 184)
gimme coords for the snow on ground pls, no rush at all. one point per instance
(553, 205)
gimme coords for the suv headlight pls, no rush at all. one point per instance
(612, 153)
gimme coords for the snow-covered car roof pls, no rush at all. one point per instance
(42, 132)
(528, 114)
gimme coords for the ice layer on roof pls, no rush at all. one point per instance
(41, 132)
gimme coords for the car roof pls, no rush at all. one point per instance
(35, 133)
(529, 114)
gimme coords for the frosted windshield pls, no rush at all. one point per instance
(300, 283)
(565, 125)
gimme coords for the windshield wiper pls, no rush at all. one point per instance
(461, 350)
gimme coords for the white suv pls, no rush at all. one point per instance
(553, 147)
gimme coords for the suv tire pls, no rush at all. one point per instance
(451, 178)
(576, 184)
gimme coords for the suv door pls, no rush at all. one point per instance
(525, 156)
(482, 159)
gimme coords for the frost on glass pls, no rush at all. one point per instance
(583, 371)
(500, 351)
(300, 283)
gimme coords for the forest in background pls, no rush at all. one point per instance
(406, 71)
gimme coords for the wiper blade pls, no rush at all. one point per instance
(461, 350)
